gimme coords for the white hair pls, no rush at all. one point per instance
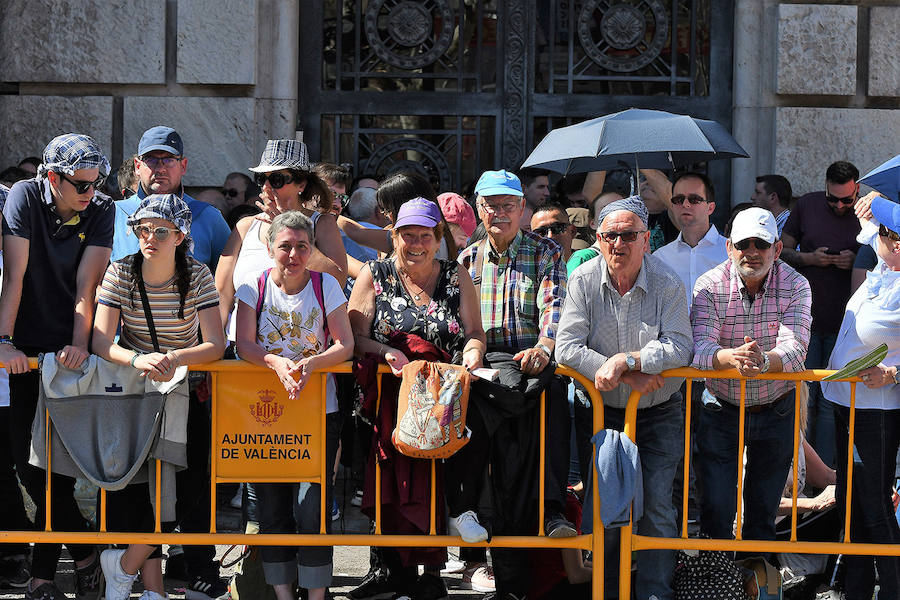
(362, 205)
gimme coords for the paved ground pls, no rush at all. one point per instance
(350, 563)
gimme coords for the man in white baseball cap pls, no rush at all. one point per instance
(750, 313)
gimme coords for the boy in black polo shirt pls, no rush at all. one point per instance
(57, 236)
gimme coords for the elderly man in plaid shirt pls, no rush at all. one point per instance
(751, 313)
(521, 279)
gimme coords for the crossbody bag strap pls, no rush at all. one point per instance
(479, 267)
(143, 290)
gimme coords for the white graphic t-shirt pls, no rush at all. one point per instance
(293, 325)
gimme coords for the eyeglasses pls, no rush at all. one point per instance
(82, 187)
(834, 199)
(758, 243)
(160, 233)
(692, 198)
(154, 161)
(276, 180)
(628, 237)
(885, 232)
(230, 192)
(506, 207)
(555, 228)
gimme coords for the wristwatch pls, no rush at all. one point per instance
(543, 348)
(766, 364)
(630, 362)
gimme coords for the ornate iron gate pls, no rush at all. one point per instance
(453, 87)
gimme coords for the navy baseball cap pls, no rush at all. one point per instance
(161, 138)
(498, 183)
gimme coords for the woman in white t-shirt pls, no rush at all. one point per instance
(288, 332)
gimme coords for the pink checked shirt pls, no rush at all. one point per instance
(778, 318)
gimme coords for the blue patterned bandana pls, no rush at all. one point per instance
(70, 152)
(164, 206)
(632, 204)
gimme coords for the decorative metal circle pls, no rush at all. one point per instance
(394, 156)
(409, 24)
(624, 28)
(407, 34)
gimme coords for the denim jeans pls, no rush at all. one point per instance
(660, 439)
(820, 431)
(768, 442)
(872, 517)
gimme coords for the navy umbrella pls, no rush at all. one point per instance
(636, 139)
(885, 179)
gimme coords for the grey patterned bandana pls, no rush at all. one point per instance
(632, 204)
(164, 206)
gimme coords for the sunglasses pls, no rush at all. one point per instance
(160, 233)
(758, 243)
(229, 192)
(83, 186)
(834, 199)
(692, 198)
(556, 228)
(154, 162)
(885, 232)
(276, 180)
(628, 237)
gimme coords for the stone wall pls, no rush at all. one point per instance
(815, 82)
(221, 72)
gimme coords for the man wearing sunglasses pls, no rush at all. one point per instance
(823, 229)
(57, 233)
(699, 247)
(550, 220)
(751, 313)
(159, 166)
(625, 321)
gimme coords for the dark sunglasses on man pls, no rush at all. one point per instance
(229, 192)
(758, 243)
(276, 180)
(556, 228)
(679, 199)
(628, 237)
(834, 199)
(82, 187)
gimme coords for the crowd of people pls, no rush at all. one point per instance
(299, 266)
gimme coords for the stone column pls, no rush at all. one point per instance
(278, 68)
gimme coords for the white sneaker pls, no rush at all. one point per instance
(118, 582)
(468, 528)
(151, 595)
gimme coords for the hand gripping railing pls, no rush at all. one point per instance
(632, 541)
(225, 394)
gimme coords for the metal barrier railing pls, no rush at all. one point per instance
(225, 396)
(633, 542)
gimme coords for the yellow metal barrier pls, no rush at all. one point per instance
(632, 542)
(236, 382)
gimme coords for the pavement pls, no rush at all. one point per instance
(351, 563)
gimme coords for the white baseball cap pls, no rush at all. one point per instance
(754, 223)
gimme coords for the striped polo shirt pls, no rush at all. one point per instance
(172, 331)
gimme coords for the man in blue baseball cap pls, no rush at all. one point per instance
(521, 280)
(159, 166)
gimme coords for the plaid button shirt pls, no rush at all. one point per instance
(778, 318)
(522, 289)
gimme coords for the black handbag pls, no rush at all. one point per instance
(707, 575)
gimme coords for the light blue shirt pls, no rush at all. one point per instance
(209, 230)
(872, 318)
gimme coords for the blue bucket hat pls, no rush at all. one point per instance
(498, 183)
(887, 213)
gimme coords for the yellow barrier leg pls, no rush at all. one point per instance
(378, 466)
(541, 459)
(742, 409)
(625, 547)
(326, 470)
(686, 483)
(213, 475)
(47, 490)
(850, 445)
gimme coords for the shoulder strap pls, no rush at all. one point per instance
(479, 267)
(316, 278)
(261, 289)
(147, 314)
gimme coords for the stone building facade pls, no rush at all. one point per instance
(800, 84)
